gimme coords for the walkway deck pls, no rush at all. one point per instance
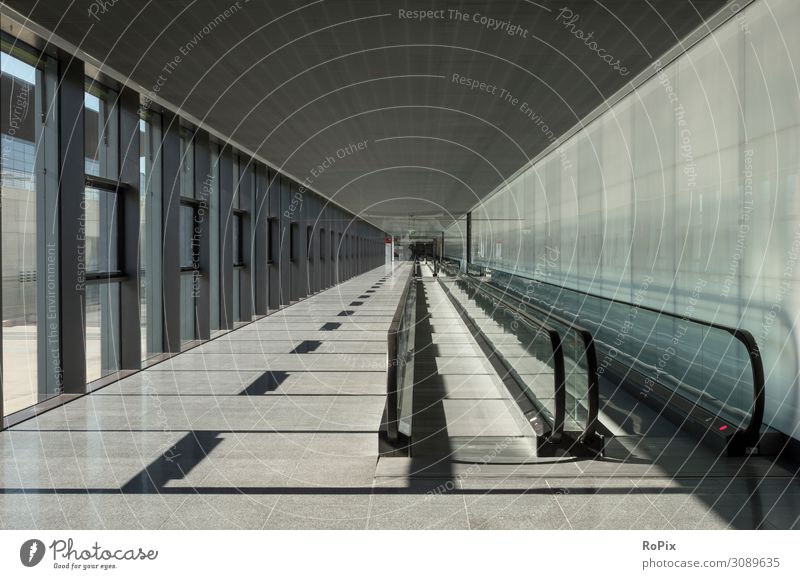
(274, 425)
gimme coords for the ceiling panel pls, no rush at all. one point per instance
(298, 82)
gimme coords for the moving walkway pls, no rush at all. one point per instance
(705, 377)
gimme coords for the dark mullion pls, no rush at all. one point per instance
(105, 276)
(71, 193)
(113, 185)
(202, 259)
(274, 239)
(170, 231)
(130, 355)
(260, 231)
(284, 266)
(245, 240)
(191, 201)
(226, 185)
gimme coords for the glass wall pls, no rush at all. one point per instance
(34, 232)
(682, 197)
(150, 234)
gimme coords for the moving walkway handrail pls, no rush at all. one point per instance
(752, 431)
(560, 375)
(590, 351)
(391, 416)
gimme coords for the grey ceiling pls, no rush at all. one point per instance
(297, 81)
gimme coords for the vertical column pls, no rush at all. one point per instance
(130, 348)
(468, 248)
(314, 263)
(304, 265)
(170, 232)
(260, 215)
(331, 248)
(203, 186)
(72, 227)
(295, 211)
(245, 273)
(285, 285)
(226, 185)
(274, 239)
(322, 235)
(47, 226)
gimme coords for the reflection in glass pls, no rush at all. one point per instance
(100, 126)
(20, 144)
(187, 236)
(189, 279)
(187, 164)
(102, 330)
(188, 294)
(150, 235)
(101, 230)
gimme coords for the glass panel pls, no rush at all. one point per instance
(150, 235)
(187, 164)
(187, 232)
(100, 125)
(236, 179)
(20, 143)
(101, 231)
(406, 343)
(523, 346)
(237, 239)
(292, 241)
(270, 240)
(707, 366)
(237, 310)
(187, 307)
(102, 330)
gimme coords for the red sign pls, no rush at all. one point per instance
(387, 240)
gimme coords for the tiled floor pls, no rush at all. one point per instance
(275, 425)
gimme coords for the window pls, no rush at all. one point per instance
(238, 254)
(101, 231)
(309, 239)
(322, 245)
(150, 234)
(271, 240)
(21, 139)
(187, 252)
(100, 131)
(187, 163)
(292, 241)
(190, 267)
(333, 245)
(189, 238)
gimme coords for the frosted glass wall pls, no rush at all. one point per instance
(455, 240)
(682, 197)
